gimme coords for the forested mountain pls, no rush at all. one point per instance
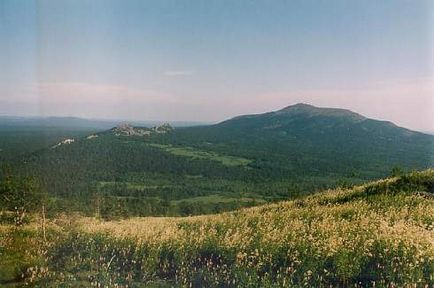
(307, 139)
(243, 161)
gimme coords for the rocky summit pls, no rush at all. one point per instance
(126, 129)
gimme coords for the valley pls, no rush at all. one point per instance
(168, 171)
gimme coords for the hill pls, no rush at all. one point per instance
(245, 161)
(376, 235)
(303, 139)
(17, 141)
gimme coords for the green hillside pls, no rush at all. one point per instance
(376, 235)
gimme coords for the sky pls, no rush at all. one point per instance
(196, 60)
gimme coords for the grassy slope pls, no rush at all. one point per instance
(378, 233)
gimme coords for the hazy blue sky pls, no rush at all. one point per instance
(210, 60)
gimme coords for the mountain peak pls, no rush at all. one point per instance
(298, 106)
(310, 110)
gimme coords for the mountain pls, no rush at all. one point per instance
(302, 119)
(303, 110)
(307, 139)
(242, 161)
(57, 122)
(76, 123)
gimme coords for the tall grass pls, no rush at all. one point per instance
(376, 235)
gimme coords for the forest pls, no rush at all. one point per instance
(246, 161)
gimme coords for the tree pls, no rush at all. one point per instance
(396, 171)
(21, 195)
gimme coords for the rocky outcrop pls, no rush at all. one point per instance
(64, 142)
(128, 130)
(163, 128)
(92, 136)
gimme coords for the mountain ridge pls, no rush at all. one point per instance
(309, 112)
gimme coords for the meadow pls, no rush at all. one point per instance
(380, 234)
(193, 153)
